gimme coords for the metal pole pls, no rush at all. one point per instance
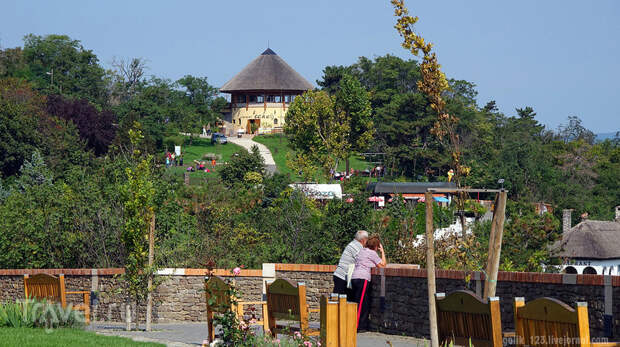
(430, 269)
(149, 295)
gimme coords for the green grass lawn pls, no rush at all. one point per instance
(26, 337)
(197, 150)
(278, 145)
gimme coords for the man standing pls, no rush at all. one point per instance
(346, 259)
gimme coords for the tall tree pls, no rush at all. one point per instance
(20, 110)
(353, 102)
(58, 64)
(316, 132)
(95, 128)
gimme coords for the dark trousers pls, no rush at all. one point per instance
(362, 297)
(340, 285)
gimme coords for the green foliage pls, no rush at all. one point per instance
(20, 109)
(138, 195)
(353, 102)
(31, 313)
(526, 240)
(76, 70)
(317, 133)
(242, 163)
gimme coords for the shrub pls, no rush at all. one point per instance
(31, 313)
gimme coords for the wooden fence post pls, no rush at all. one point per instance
(430, 269)
(495, 244)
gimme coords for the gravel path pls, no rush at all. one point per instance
(192, 334)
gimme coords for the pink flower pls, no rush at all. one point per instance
(236, 271)
(276, 340)
(298, 334)
(318, 343)
(307, 344)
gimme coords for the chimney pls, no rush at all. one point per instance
(566, 220)
(618, 213)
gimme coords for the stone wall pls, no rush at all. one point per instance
(180, 297)
(399, 300)
(318, 280)
(404, 307)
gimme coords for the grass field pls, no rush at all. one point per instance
(197, 150)
(278, 145)
(27, 337)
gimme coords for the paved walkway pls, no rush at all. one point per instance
(247, 143)
(192, 334)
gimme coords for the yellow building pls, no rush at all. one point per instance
(261, 94)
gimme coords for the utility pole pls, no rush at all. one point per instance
(430, 269)
(149, 295)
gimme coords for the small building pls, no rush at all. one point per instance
(410, 191)
(590, 247)
(316, 191)
(261, 94)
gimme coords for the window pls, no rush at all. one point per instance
(287, 99)
(589, 271)
(260, 98)
(241, 98)
(278, 98)
(275, 121)
(253, 98)
(271, 98)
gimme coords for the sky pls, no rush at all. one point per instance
(561, 57)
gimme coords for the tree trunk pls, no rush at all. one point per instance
(128, 316)
(149, 295)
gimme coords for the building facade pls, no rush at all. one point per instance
(261, 93)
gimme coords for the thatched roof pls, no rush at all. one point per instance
(590, 239)
(267, 72)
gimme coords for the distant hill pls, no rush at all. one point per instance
(605, 136)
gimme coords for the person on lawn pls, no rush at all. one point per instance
(360, 280)
(348, 260)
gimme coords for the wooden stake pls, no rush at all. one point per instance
(495, 244)
(430, 269)
(149, 295)
(128, 316)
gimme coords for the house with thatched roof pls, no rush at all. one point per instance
(590, 247)
(262, 92)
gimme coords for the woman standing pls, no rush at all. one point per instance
(366, 259)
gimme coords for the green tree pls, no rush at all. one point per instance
(353, 102)
(317, 133)
(244, 168)
(75, 70)
(204, 106)
(138, 195)
(20, 110)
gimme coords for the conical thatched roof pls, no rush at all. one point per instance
(267, 72)
(590, 239)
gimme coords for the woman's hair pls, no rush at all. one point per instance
(373, 242)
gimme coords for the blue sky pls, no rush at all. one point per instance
(560, 57)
